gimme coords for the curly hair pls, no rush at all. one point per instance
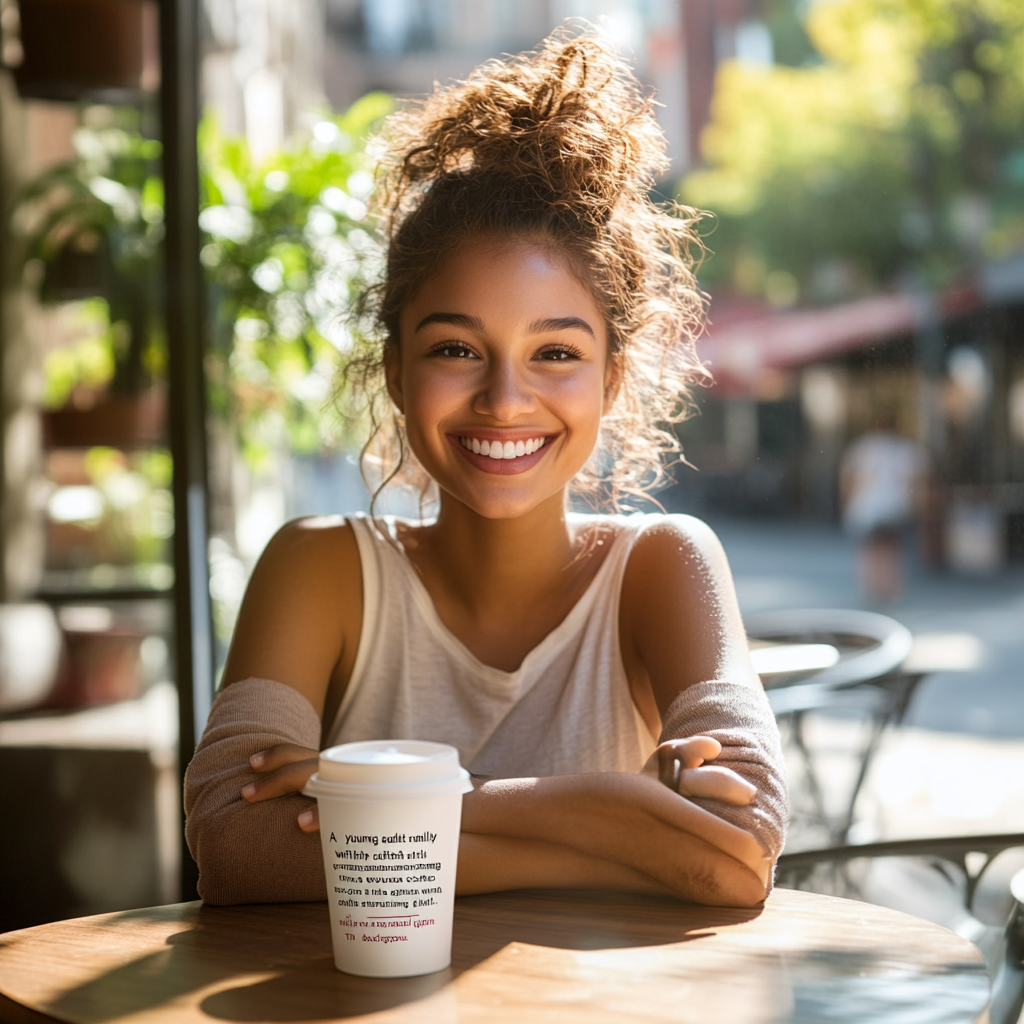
(559, 146)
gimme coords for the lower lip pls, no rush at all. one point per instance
(502, 467)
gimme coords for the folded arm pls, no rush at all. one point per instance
(617, 830)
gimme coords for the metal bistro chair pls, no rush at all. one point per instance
(818, 658)
(961, 862)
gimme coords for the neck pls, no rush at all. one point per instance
(507, 563)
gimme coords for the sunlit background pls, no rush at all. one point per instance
(863, 165)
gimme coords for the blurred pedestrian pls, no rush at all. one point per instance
(882, 486)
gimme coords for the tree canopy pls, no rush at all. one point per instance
(901, 151)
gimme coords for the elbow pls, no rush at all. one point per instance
(255, 853)
(736, 885)
(724, 882)
(745, 894)
(220, 881)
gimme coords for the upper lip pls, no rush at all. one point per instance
(517, 434)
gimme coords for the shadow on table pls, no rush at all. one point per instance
(292, 943)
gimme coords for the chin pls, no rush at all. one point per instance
(491, 503)
(501, 508)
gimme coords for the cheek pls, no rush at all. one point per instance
(578, 399)
(429, 398)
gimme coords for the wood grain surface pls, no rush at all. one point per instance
(526, 956)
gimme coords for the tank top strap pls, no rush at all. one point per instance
(368, 544)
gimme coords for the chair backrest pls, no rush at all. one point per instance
(871, 647)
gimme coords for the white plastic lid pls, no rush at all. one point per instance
(383, 768)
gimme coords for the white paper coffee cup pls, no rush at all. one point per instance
(390, 812)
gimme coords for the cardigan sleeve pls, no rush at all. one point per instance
(251, 853)
(740, 718)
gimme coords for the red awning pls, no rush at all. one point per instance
(740, 350)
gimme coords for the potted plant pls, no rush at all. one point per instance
(283, 242)
(94, 229)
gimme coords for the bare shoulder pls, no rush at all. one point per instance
(679, 551)
(302, 611)
(679, 614)
(313, 546)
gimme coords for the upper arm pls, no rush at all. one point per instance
(299, 622)
(680, 622)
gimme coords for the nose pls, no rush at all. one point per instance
(505, 394)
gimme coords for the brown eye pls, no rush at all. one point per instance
(559, 355)
(453, 350)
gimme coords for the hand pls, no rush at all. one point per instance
(680, 765)
(285, 769)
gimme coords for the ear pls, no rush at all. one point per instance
(393, 374)
(612, 380)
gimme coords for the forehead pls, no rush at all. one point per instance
(504, 282)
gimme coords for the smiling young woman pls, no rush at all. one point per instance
(536, 308)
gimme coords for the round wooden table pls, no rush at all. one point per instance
(525, 956)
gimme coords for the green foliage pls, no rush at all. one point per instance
(902, 149)
(285, 244)
(95, 224)
(88, 361)
(137, 517)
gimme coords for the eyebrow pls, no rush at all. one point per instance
(560, 323)
(472, 323)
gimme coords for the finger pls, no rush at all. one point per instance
(284, 753)
(309, 820)
(717, 784)
(289, 779)
(693, 750)
(668, 768)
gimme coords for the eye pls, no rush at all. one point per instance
(559, 354)
(453, 350)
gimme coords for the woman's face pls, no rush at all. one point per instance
(502, 375)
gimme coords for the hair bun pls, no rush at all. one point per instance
(567, 122)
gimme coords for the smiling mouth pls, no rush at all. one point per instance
(500, 450)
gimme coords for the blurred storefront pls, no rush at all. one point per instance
(793, 388)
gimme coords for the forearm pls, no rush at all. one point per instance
(631, 821)
(495, 863)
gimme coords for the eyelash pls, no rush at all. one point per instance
(445, 348)
(561, 350)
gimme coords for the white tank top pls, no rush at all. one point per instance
(566, 709)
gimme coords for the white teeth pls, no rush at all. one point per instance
(499, 450)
